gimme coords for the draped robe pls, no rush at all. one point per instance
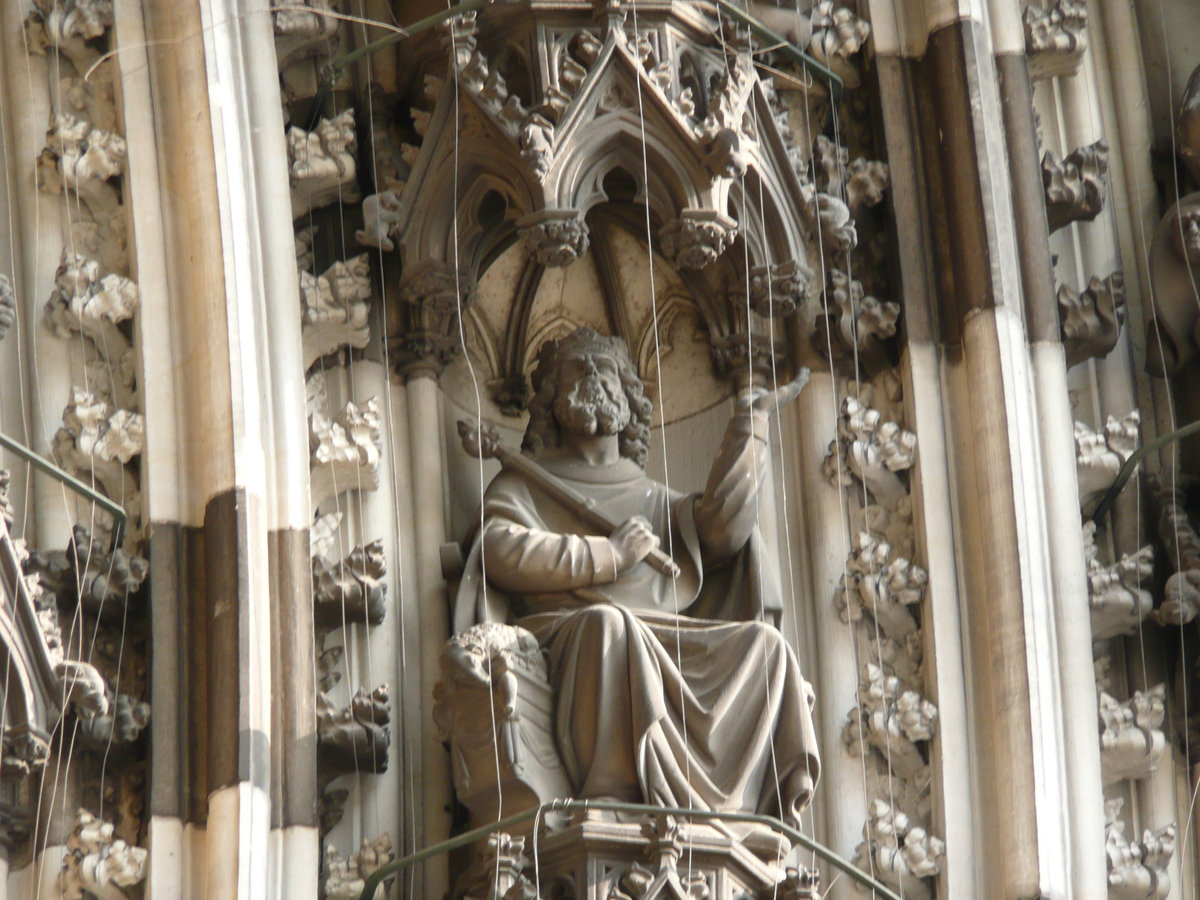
(673, 692)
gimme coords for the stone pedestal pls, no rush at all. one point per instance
(654, 859)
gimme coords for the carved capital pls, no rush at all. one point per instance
(1075, 186)
(1091, 320)
(697, 238)
(555, 238)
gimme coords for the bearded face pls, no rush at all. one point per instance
(590, 398)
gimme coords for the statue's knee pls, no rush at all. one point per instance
(606, 620)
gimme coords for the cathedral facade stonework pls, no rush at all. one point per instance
(599, 449)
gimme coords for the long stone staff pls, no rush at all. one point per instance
(485, 443)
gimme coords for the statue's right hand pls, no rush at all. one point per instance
(632, 542)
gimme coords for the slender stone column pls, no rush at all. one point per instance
(428, 477)
(39, 238)
(1085, 793)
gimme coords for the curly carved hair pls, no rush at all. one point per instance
(543, 431)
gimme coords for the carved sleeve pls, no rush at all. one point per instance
(727, 511)
(531, 560)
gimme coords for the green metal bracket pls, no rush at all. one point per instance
(1110, 497)
(333, 70)
(865, 879)
(120, 519)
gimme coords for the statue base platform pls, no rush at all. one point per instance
(658, 858)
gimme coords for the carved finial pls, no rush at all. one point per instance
(321, 163)
(1100, 454)
(900, 854)
(1091, 320)
(356, 738)
(1131, 738)
(344, 453)
(335, 308)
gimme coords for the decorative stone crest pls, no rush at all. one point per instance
(1091, 319)
(1075, 186)
(344, 453)
(554, 237)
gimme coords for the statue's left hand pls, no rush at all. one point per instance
(759, 399)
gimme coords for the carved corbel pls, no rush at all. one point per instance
(837, 34)
(871, 450)
(8, 306)
(1131, 737)
(890, 719)
(97, 441)
(900, 854)
(99, 866)
(351, 590)
(81, 158)
(554, 237)
(124, 721)
(433, 295)
(68, 26)
(346, 879)
(697, 238)
(1100, 454)
(299, 33)
(1091, 319)
(1116, 597)
(1075, 186)
(866, 182)
(1055, 37)
(354, 739)
(882, 584)
(89, 575)
(344, 453)
(859, 328)
(321, 164)
(777, 290)
(1136, 871)
(838, 234)
(381, 219)
(800, 883)
(335, 308)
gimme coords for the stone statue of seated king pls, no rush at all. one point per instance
(608, 679)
